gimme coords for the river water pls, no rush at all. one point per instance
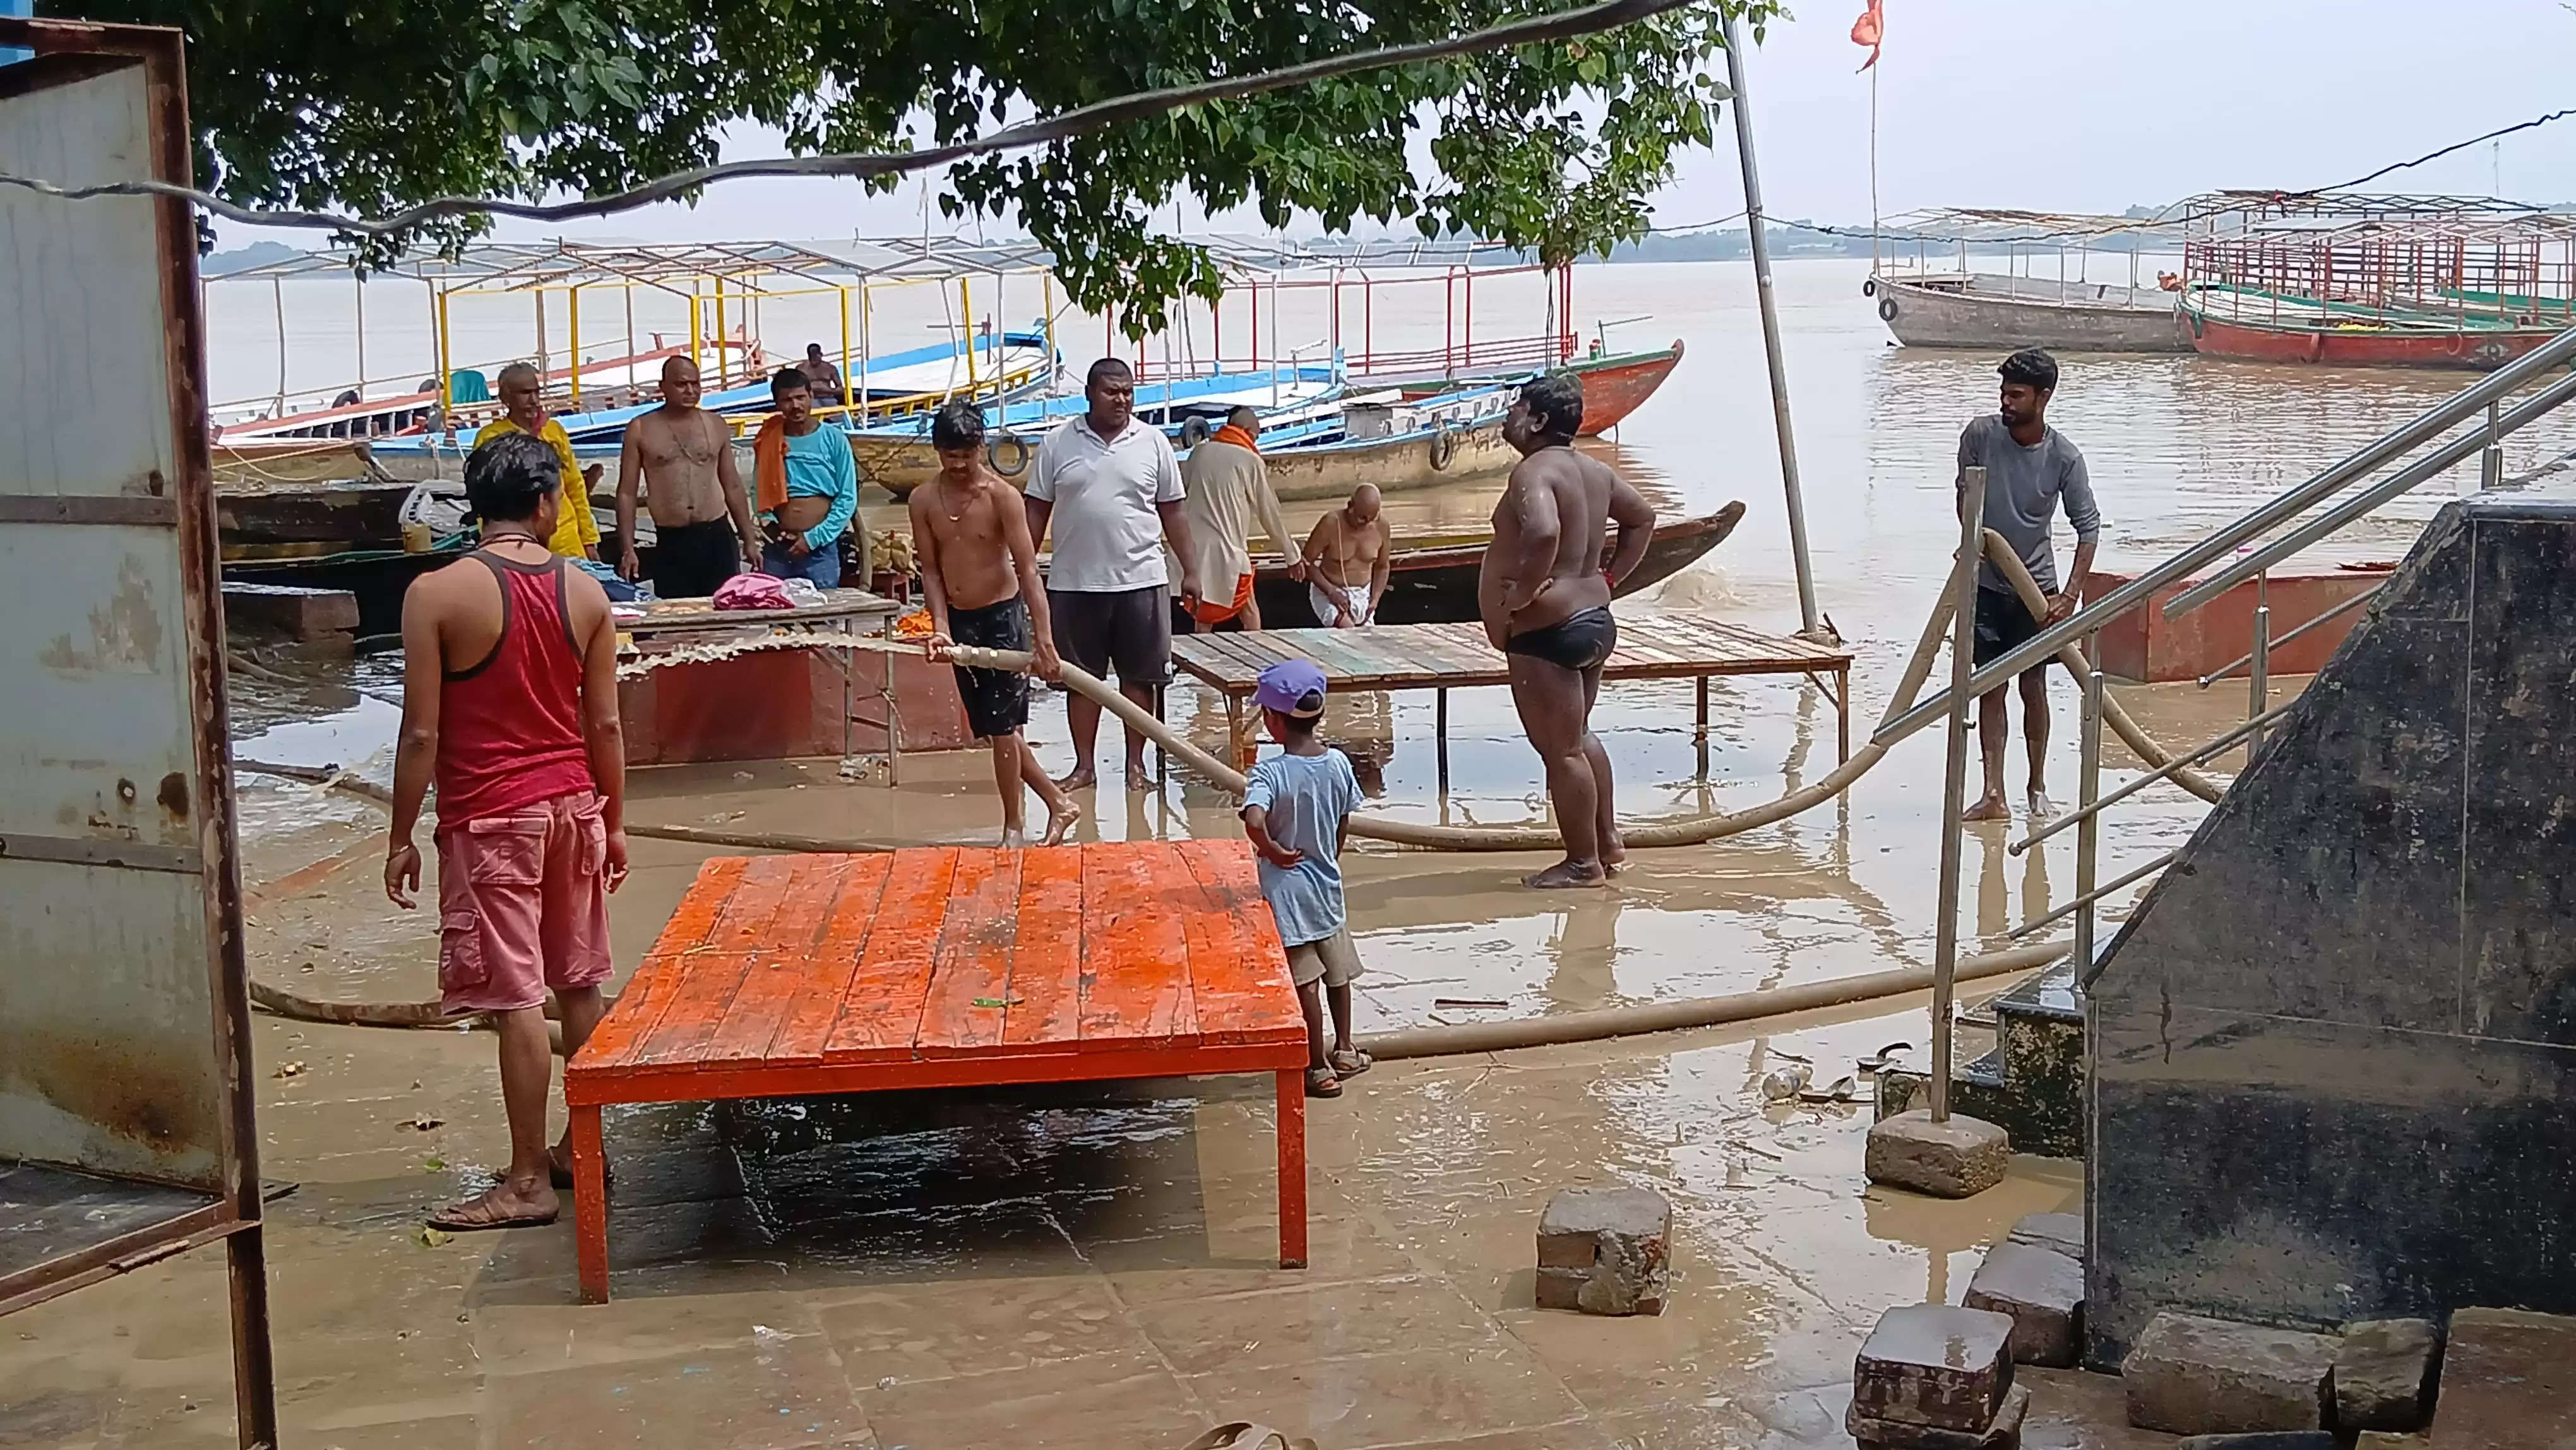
(2175, 445)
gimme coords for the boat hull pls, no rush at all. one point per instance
(2355, 346)
(1438, 585)
(1407, 461)
(1922, 316)
(1613, 387)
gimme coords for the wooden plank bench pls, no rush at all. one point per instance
(949, 967)
(1447, 657)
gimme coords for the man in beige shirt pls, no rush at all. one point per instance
(1228, 486)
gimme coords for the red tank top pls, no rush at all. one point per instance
(510, 728)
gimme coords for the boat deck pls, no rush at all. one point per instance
(946, 966)
(1447, 657)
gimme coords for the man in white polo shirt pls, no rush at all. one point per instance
(1112, 488)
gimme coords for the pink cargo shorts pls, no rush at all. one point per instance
(523, 905)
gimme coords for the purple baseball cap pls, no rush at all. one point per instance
(1286, 683)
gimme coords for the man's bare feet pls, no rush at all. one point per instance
(1015, 840)
(1061, 819)
(1138, 776)
(1080, 778)
(503, 1205)
(1568, 873)
(2041, 807)
(1992, 808)
(1614, 853)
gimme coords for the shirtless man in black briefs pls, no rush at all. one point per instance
(1544, 595)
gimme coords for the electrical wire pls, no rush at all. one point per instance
(1561, 25)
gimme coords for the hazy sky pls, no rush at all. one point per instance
(2082, 106)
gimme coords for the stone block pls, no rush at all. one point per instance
(2508, 1378)
(2383, 1374)
(2188, 1375)
(2003, 1434)
(2043, 1291)
(2063, 1232)
(1936, 1365)
(1605, 1251)
(1957, 1159)
(2264, 1440)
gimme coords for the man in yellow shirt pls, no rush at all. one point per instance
(576, 533)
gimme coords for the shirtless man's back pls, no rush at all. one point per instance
(1348, 558)
(1544, 596)
(682, 457)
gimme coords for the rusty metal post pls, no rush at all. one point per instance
(1811, 625)
(1954, 780)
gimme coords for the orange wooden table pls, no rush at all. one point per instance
(949, 967)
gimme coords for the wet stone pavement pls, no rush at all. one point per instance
(1048, 1267)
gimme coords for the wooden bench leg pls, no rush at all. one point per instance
(589, 1205)
(1842, 716)
(1292, 1169)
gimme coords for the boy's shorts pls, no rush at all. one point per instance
(523, 905)
(1331, 960)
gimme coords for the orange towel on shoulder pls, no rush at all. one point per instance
(769, 466)
(1232, 434)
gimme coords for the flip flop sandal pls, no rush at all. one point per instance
(446, 1220)
(1351, 1063)
(1244, 1435)
(1843, 1090)
(1884, 1058)
(1321, 1083)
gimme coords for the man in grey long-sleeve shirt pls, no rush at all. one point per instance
(2030, 468)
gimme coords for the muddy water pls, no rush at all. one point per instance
(2175, 445)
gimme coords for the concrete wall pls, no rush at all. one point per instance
(2334, 1052)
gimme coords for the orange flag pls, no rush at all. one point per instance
(1869, 30)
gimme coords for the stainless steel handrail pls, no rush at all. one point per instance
(2131, 787)
(2070, 908)
(2338, 612)
(2260, 520)
(2456, 452)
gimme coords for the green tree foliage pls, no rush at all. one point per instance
(374, 107)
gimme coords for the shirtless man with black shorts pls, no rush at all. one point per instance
(1545, 600)
(682, 455)
(1348, 558)
(979, 568)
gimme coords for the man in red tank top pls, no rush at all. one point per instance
(510, 703)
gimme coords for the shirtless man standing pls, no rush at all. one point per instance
(682, 455)
(979, 568)
(1347, 559)
(1545, 600)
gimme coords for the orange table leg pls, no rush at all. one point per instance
(589, 1205)
(1292, 1169)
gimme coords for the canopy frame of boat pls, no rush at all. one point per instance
(724, 286)
(2426, 266)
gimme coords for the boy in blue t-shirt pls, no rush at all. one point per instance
(1294, 805)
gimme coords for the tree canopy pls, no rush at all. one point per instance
(374, 107)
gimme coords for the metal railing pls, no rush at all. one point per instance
(2286, 515)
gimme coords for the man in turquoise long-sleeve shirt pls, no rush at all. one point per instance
(822, 487)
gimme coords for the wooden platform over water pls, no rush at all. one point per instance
(1446, 657)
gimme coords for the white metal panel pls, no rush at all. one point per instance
(95, 739)
(113, 1057)
(81, 343)
(137, 1092)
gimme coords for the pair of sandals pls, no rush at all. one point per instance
(1326, 1081)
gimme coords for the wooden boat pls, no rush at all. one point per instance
(1614, 384)
(1434, 582)
(2000, 314)
(898, 458)
(2223, 322)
